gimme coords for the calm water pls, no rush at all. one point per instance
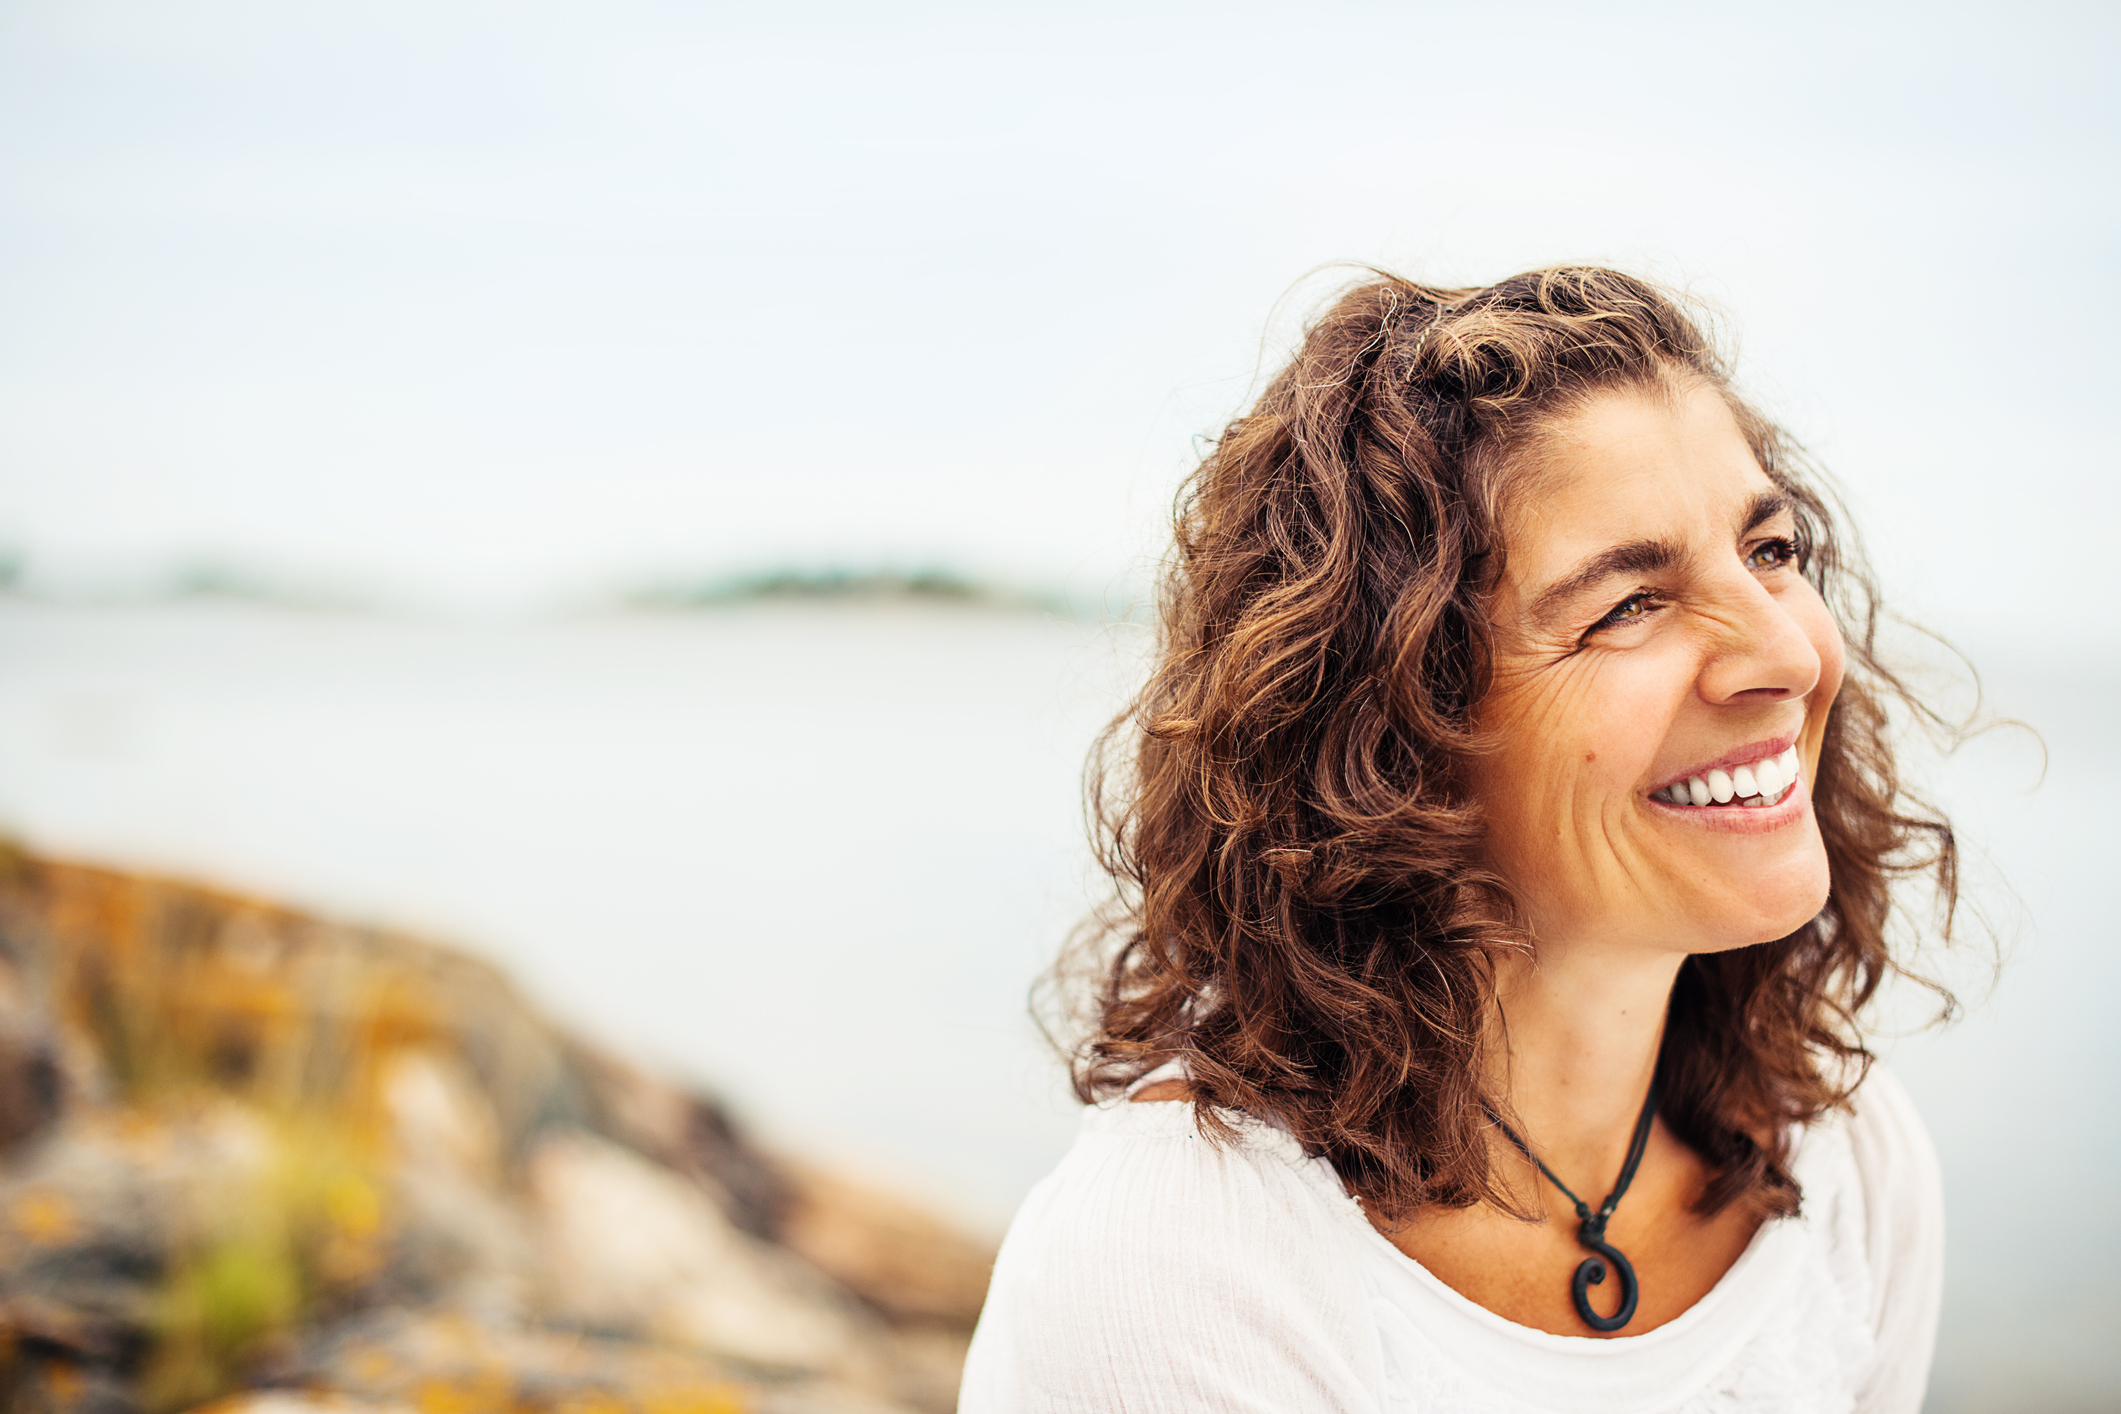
(814, 856)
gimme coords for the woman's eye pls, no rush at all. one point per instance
(1774, 554)
(1633, 609)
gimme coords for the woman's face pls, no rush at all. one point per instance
(1653, 630)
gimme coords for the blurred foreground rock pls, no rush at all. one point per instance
(253, 1161)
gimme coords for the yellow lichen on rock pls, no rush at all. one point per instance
(240, 1146)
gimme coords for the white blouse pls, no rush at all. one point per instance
(1155, 1271)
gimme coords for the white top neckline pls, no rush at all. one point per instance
(1535, 1363)
(1763, 1259)
(1158, 1271)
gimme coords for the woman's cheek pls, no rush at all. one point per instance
(1566, 736)
(1515, 783)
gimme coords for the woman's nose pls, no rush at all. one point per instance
(1761, 651)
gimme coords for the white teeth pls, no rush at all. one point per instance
(1761, 783)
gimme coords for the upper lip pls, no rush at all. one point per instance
(1739, 756)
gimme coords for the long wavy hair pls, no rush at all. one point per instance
(1302, 914)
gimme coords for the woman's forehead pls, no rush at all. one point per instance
(1633, 464)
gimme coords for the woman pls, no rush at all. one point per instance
(1504, 856)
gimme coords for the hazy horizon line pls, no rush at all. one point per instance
(850, 579)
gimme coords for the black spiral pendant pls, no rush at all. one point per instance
(1591, 1271)
(1590, 1226)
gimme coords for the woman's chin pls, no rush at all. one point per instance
(1761, 908)
(1756, 875)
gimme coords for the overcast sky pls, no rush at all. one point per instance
(493, 304)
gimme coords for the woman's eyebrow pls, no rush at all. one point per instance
(1629, 557)
(1764, 508)
(1640, 557)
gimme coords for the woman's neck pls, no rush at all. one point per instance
(1576, 1035)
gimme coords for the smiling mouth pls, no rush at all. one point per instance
(1753, 786)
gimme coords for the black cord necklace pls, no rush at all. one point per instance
(1590, 1229)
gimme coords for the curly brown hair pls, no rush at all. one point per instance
(1302, 915)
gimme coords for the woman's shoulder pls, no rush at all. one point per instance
(1875, 1150)
(1874, 1197)
(1886, 1129)
(1151, 1175)
(1159, 1262)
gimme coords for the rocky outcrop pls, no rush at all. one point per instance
(253, 1160)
